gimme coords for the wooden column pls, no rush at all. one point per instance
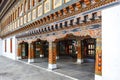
(79, 54)
(19, 52)
(31, 52)
(98, 64)
(52, 56)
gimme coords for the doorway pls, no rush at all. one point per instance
(89, 49)
(24, 50)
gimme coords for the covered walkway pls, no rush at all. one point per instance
(69, 67)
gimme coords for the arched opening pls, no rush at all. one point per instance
(41, 51)
(41, 48)
(89, 49)
(76, 54)
(24, 50)
(67, 47)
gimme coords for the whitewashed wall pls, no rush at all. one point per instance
(14, 48)
(110, 44)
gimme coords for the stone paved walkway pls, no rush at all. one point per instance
(14, 70)
(20, 70)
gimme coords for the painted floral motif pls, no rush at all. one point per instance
(57, 3)
(40, 10)
(47, 6)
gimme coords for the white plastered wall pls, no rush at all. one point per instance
(14, 47)
(110, 44)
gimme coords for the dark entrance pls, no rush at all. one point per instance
(88, 49)
(24, 50)
(38, 49)
(41, 47)
(67, 48)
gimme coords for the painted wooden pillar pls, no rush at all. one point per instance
(52, 56)
(79, 54)
(31, 52)
(98, 64)
(19, 52)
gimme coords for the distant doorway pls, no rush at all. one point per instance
(89, 49)
(67, 48)
(41, 48)
(24, 50)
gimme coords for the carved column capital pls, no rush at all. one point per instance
(51, 39)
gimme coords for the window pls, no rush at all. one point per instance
(60, 25)
(18, 11)
(5, 46)
(94, 15)
(21, 7)
(52, 27)
(28, 4)
(11, 45)
(65, 23)
(78, 20)
(71, 22)
(25, 6)
(48, 28)
(85, 18)
(33, 2)
(56, 26)
(39, 0)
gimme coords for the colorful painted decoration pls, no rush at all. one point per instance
(40, 10)
(47, 7)
(57, 3)
(34, 14)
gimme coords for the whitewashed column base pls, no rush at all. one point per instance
(79, 61)
(98, 77)
(18, 58)
(57, 57)
(30, 60)
(52, 66)
(41, 55)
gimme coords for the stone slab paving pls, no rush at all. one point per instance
(68, 66)
(15, 70)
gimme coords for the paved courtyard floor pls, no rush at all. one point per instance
(67, 70)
